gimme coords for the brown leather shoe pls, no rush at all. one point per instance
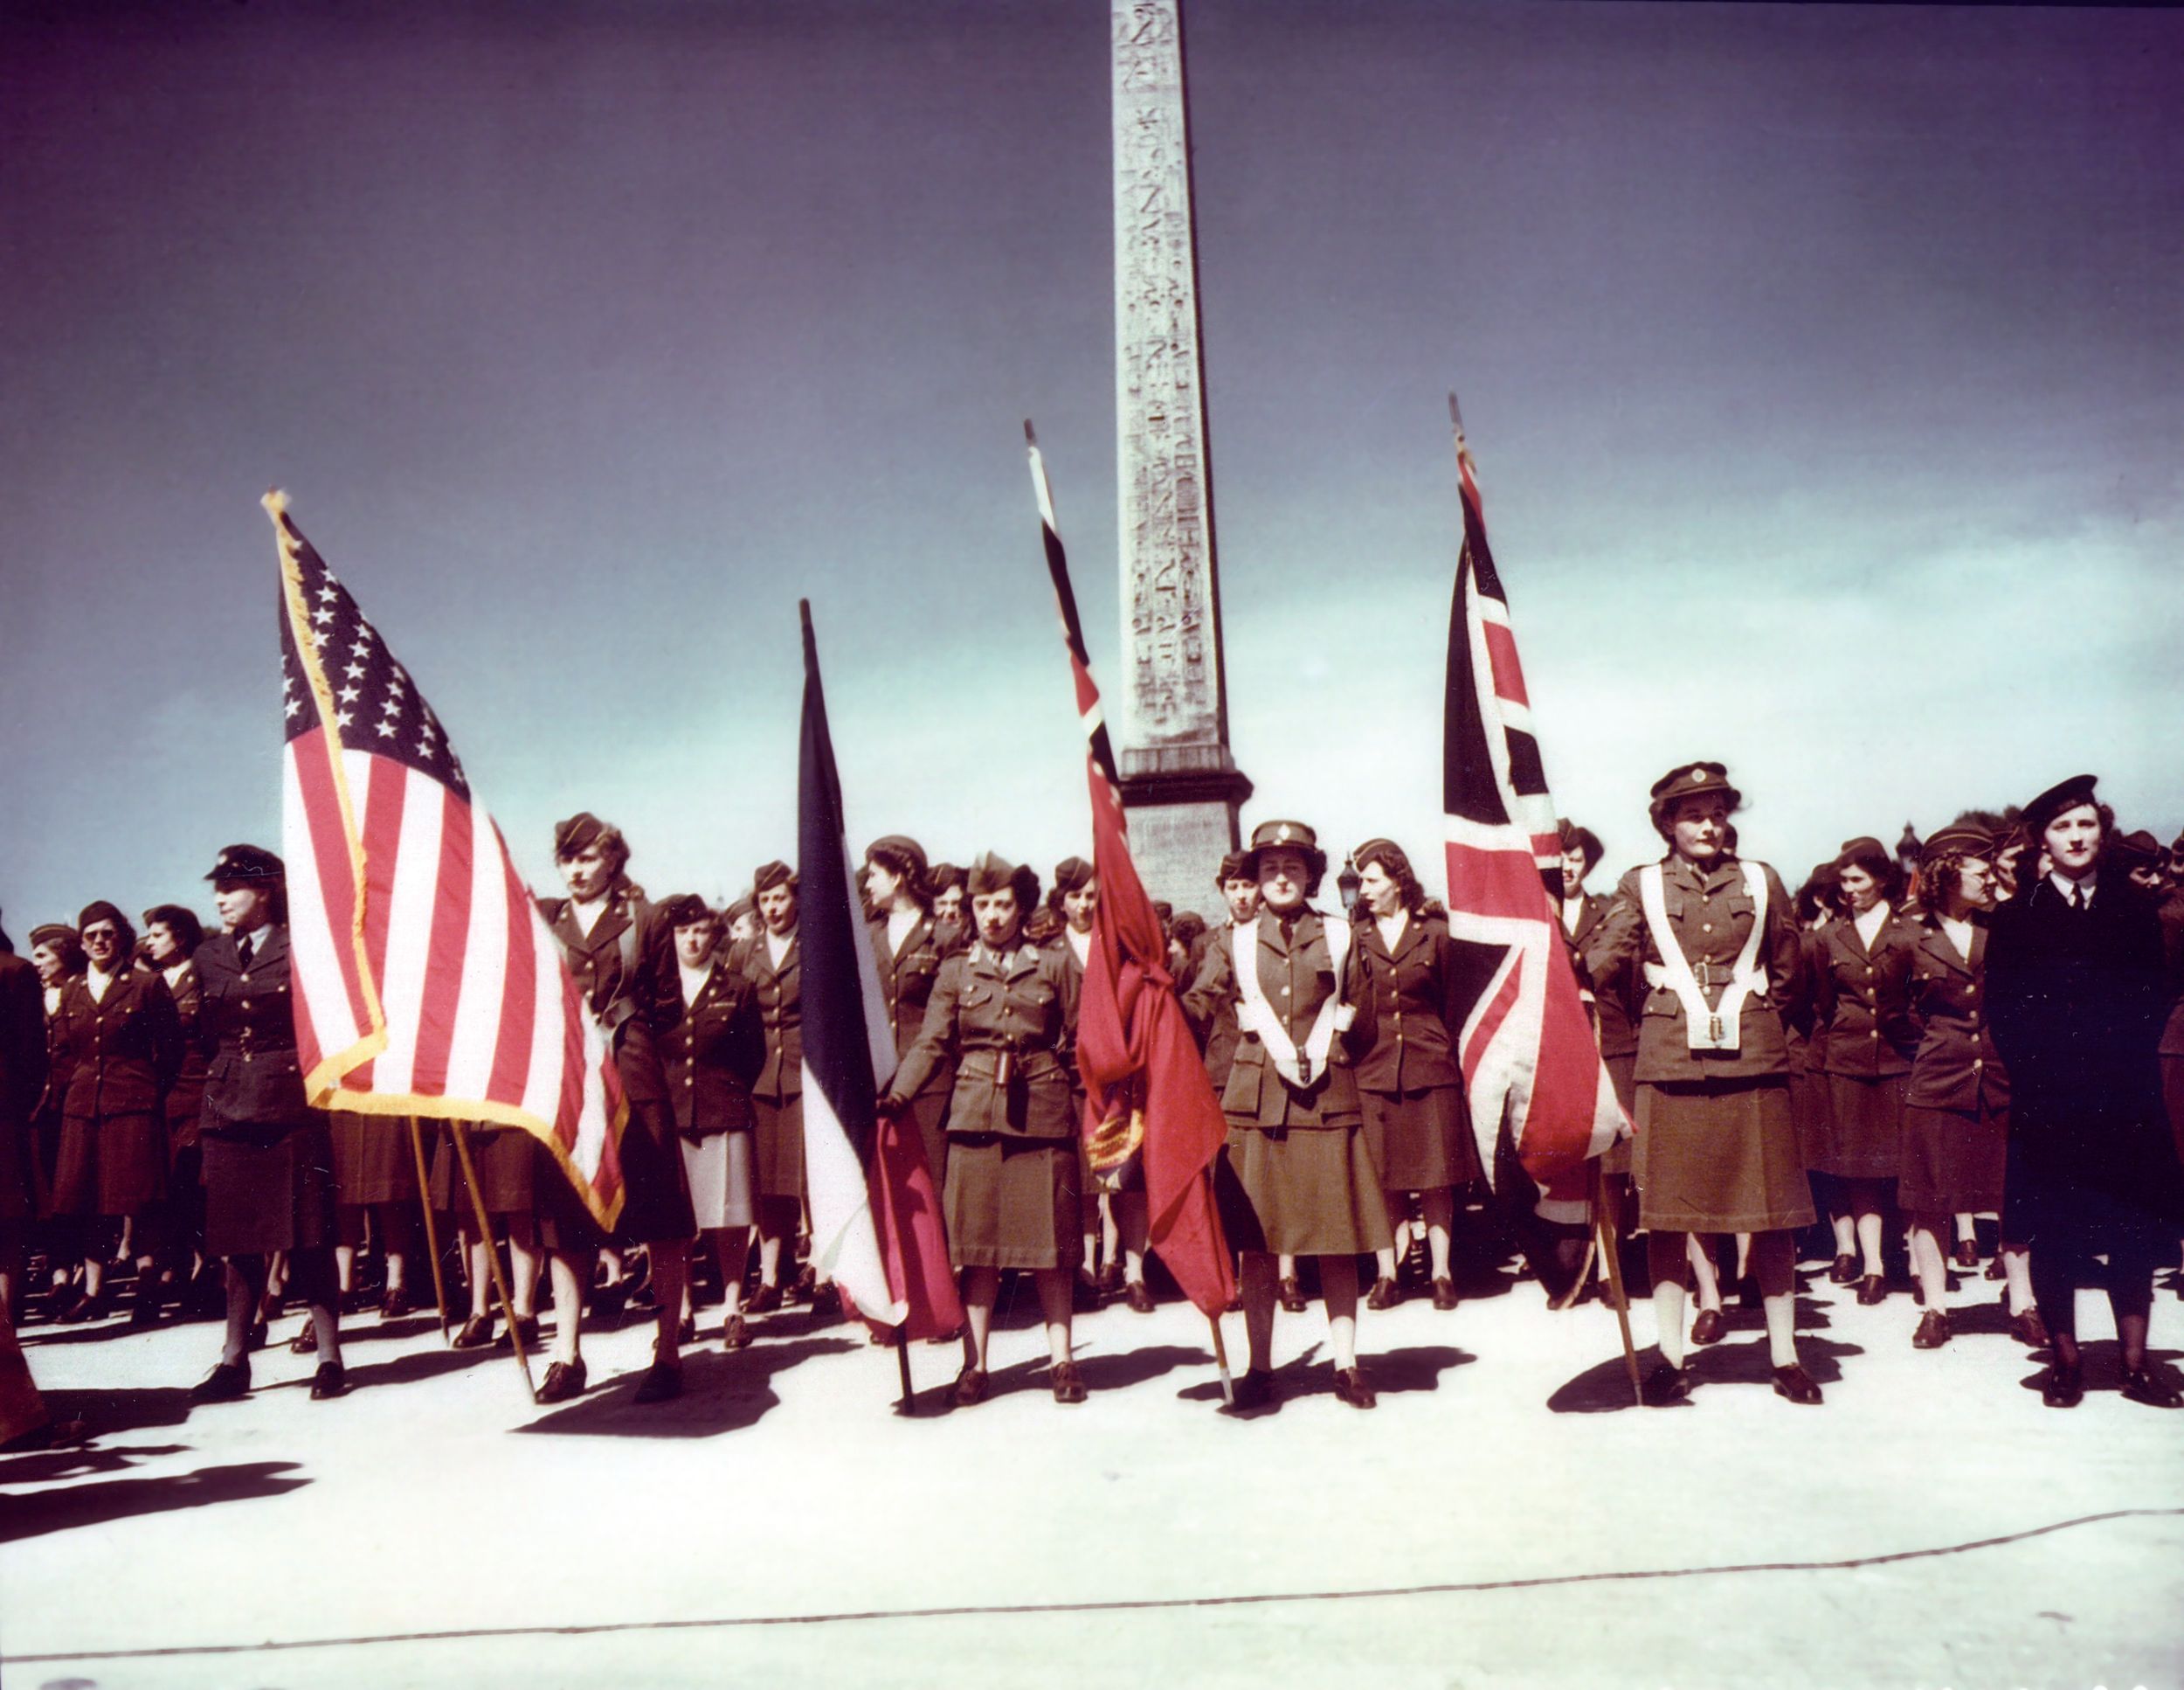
(735, 1334)
(1797, 1386)
(662, 1382)
(1843, 1271)
(396, 1305)
(2142, 1384)
(1444, 1293)
(306, 1342)
(1253, 1390)
(564, 1381)
(1871, 1290)
(1933, 1331)
(1384, 1294)
(2029, 1329)
(1353, 1387)
(1707, 1329)
(1138, 1295)
(765, 1300)
(1110, 1277)
(476, 1334)
(227, 1382)
(969, 1388)
(330, 1381)
(1664, 1387)
(1968, 1254)
(2064, 1385)
(1068, 1383)
(1292, 1293)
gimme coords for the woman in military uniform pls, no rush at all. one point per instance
(1002, 1010)
(1299, 1180)
(1861, 999)
(773, 963)
(57, 956)
(1405, 982)
(909, 945)
(1956, 1109)
(711, 1056)
(268, 1160)
(122, 1046)
(173, 933)
(23, 1060)
(620, 952)
(1716, 1148)
(2074, 987)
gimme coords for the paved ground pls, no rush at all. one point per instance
(1503, 1518)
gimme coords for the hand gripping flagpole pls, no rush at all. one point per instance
(1101, 756)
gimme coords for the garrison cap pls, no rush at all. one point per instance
(770, 874)
(2064, 795)
(1072, 874)
(1863, 849)
(991, 874)
(1960, 839)
(59, 935)
(1575, 838)
(1235, 866)
(898, 853)
(2137, 850)
(742, 907)
(579, 830)
(247, 862)
(1687, 779)
(686, 910)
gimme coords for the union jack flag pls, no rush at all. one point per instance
(1527, 1048)
(425, 982)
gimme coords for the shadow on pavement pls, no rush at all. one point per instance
(1391, 1372)
(1128, 1368)
(47, 1465)
(72, 1506)
(721, 1393)
(1605, 1387)
(425, 1364)
(108, 1412)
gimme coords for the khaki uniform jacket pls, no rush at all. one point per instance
(906, 979)
(712, 1055)
(1957, 1066)
(1018, 1005)
(1710, 913)
(625, 968)
(1297, 975)
(247, 1026)
(1862, 998)
(780, 995)
(124, 1051)
(1612, 995)
(1218, 1035)
(1407, 1004)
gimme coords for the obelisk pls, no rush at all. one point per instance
(1180, 786)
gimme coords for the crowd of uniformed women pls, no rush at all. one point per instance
(1972, 1045)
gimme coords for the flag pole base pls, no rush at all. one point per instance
(1220, 1360)
(908, 1404)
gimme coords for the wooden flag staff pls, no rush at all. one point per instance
(431, 1233)
(492, 1261)
(908, 1404)
(1604, 1239)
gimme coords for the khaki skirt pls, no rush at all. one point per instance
(1865, 1125)
(777, 1136)
(1011, 1202)
(1953, 1161)
(373, 1160)
(1719, 1156)
(720, 1171)
(1419, 1140)
(1307, 1191)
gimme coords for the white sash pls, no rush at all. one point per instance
(1255, 1015)
(1705, 1028)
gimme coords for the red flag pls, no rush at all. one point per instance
(1527, 1048)
(913, 1240)
(426, 983)
(1145, 1084)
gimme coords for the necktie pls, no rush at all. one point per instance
(243, 949)
(2079, 900)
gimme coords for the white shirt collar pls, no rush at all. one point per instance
(2070, 888)
(586, 915)
(693, 978)
(98, 982)
(1081, 944)
(778, 944)
(1870, 922)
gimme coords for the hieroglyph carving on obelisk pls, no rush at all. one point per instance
(1171, 630)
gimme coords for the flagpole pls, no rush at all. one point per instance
(908, 1404)
(492, 1261)
(1604, 1238)
(431, 1233)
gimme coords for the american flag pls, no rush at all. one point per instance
(425, 982)
(1527, 1048)
(1146, 1089)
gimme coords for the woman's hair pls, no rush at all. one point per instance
(1883, 868)
(1937, 876)
(1397, 867)
(1187, 929)
(1822, 893)
(66, 943)
(180, 921)
(901, 864)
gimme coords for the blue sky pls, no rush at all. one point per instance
(1824, 367)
